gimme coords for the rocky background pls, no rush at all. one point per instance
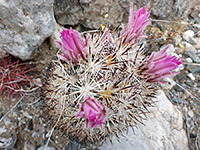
(28, 29)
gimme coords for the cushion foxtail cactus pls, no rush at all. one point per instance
(101, 83)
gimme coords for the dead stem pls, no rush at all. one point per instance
(194, 64)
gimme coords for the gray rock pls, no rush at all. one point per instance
(191, 76)
(173, 96)
(24, 25)
(47, 148)
(190, 83)
(187, 35)
(93, 13)
(170, 9)
(8, 142)
(163, 130)
(189, 60)
(29, 145)
(197, 45)
(177, 39)
(190, 51)
(190, 113)
(195, 15)
(193, 68)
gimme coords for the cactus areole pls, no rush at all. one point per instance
(101, 83)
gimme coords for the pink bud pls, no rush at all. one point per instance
(72, 45)
(93, 111)
(160, 65)
(136, 25)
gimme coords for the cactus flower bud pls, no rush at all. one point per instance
(72, 45)
(160, 65)
(136, 25)
(93, 111)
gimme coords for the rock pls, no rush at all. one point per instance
(190, 113)
(192, 55)
(162, 130)
(8, 142)
(47, 148)
(25, 25)
(29, 145)
(179, 50)
(177, 39)
(189, 83)
(193, 68)
(195, 15)
(189, 60)
(56, 36)
(190, 51)
(170, 9)
(2, 130)
(178, 88)
(191, 76)
(197, 25)
(188, 35)
(197, 45)
(93, 13)
(173, 96)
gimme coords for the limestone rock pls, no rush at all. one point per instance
(162, 130)
(24, 25)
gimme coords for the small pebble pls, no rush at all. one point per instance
(188, 34)
(35, 134)
(2, 130)
(189, 60)
(48, 148)
(190, 113)
(191, 76)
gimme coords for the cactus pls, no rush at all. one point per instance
(102, 83)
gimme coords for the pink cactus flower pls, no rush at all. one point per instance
(136, 25)
(160, 65)
(93, 111)
(72, 45)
